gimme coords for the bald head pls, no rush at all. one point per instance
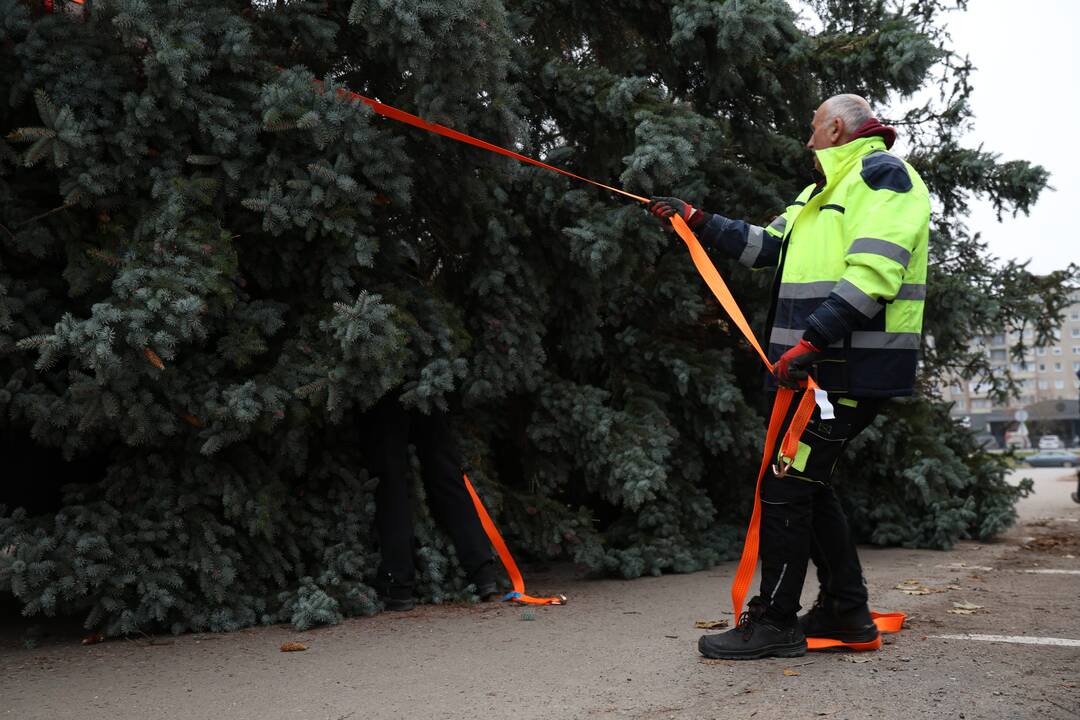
(837, 120)
(852, 110)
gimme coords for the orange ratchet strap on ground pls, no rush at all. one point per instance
(518, 593)
(886, 622)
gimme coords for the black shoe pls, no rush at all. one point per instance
(852, 626)
(1075, 496)
(754, 637)
(483, 579)
(395, 594)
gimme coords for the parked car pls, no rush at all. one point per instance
(1051, 442)
(1052, 458)
(1016, 440)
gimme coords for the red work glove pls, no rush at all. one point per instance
(793, 367)
(665, 207)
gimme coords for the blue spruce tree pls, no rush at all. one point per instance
(212, 261)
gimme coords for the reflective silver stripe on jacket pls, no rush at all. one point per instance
(807, 291)
(861, 339)
(884, 248)
(859, 300)
(820, 290)
(911, 291)
(753, 246)
(876, 340)
(779, 224)
(789, 337)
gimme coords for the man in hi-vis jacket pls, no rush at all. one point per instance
(849, 284)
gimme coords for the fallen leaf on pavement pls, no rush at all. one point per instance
(293, 647)
(710, 624)
(964, 608)
(93, 639)
(855, 658)
(914, 587)
(791, 673)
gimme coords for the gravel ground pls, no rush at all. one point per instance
(618, 650)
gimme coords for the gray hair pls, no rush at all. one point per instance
(852, 109)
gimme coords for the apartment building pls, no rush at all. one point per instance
(1047, 375)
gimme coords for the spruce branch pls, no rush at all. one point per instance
(35, 341)
(46, 109)
(306, 391)
(61, 131)
(358, 11)
(102, 256)
(31, 134)
(309, 120)
(279, 126)
(46, 214)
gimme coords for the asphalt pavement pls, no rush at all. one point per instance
(993, 632)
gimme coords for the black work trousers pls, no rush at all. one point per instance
(388, 429)
(802, 518)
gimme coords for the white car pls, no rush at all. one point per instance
(1050, 442)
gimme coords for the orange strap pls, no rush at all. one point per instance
(496, 538)
(416, 121)
(887, 622)
(716, 283)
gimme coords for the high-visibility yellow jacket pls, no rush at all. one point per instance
(850, 258)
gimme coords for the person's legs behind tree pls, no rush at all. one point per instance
(449, 500)
(384, 441)
(770, 627)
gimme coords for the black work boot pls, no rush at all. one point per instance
(850, 626)
(754, 637)
(395, 594)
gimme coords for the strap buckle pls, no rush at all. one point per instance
(781, 468)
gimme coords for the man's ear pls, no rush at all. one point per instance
(838, 129)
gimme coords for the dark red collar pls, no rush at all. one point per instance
(873, 127)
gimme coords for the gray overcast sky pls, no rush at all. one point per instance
(1026, 101)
